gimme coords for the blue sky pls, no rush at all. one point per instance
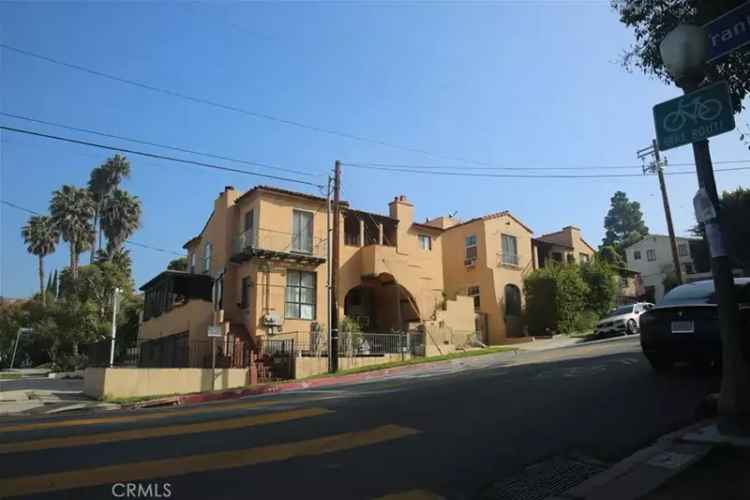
(523, 84)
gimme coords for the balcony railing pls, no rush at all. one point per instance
(270, 243)
(509, 259)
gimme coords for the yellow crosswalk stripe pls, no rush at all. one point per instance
(29, 485)
(156, 432)
(140, 417)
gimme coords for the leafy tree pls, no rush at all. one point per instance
(624, 223)
(602, 283)
(609, 254)
(40, 236)
(72, 209)
(555, 298)
(178, 264)
(651, 21)
(121, 217)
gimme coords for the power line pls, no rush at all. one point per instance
(526, 176)
(227, 107)
(149, 143)
(157, 156)
(129, 242)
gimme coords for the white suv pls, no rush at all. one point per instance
(623, 319)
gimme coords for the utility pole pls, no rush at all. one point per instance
(329, 266)
(115, 301)
(333, 354)
(658, 166)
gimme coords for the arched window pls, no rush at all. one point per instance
(512, 300)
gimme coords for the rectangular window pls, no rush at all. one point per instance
(207, 250)
(302, 231)
(557, 257)
(651, 255)
(245, 293)
(300, 295)
(682, 249)
(473, 291)
(470, 245)
(191, 263)
(584, 258)
(636, 255)
(688, 268)
(509, 252)
(425, 242)
(570, 258)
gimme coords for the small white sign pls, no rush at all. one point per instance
(704, 209)
(215, 331)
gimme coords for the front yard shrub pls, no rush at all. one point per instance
(602, 281)
(555, 297)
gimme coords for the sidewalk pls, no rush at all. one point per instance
(686, 464)
(35, 393)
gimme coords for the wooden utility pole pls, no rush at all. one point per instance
(333, 354)
(657, 165)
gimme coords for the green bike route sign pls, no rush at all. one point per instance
(694, 117)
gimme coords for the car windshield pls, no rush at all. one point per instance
(692, 293)
(620, 310)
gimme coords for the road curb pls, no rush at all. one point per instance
(643, 471)
(297, 385)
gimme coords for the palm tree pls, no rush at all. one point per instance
(121, 217)
(72, 209)
(103, 181)
(41, 236)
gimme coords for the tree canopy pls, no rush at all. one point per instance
(178, 264)
(623, 224)
(651, 21)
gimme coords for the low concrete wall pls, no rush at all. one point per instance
(138, 382)
(308, 366)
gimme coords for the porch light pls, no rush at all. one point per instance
(684, 52)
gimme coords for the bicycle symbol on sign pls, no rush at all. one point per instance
(695, 110)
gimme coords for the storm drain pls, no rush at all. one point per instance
(543, 479)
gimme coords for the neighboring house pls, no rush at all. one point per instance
(564, 246)
(629, 286)
(651, 257)
(487, 258)
(262, 257)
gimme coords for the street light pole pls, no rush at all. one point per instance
(115, 294)
(21, 331)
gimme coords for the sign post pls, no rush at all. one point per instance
(694, 117)
(213, 332)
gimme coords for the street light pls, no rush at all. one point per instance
(684, 52)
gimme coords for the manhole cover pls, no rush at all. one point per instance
(543, 479)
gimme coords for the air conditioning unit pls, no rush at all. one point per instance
(470, 262)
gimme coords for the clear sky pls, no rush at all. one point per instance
(523, 84)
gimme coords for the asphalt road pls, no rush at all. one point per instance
(441, 433)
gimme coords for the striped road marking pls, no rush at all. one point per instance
(157, 432)
(140, 417)
(139, 471)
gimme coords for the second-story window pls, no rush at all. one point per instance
(425, 242)
(636, 255)
(302, 231)
(470, 248)
(248, 228)
(651, 255)
(207, 251)
(191, 262)
(245, 293)
(584, 258)
(509, 250)
(682, 249)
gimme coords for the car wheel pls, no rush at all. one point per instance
(659, 364)
(630, 327)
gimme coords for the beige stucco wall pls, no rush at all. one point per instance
(489, 273)
(309, 366)
(138, 382)
(193, 317)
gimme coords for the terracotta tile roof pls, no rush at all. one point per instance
(494, 216)
(287, 192)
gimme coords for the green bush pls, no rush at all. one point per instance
(555, 297)
(586, 321)
(602, 281)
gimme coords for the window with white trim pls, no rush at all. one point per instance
(509, 252)
(191, 262)
(425, 242)
(300, 295)
(651, 255)
(207, 251)
(636, 255)
(302, 231)
(470, 247)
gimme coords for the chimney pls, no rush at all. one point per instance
(400, 208)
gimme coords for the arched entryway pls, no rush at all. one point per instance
(381, 305)
(513, 314)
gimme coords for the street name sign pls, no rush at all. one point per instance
(728, 32)
(694, 117)
(215, 331)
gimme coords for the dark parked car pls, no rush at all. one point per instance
(684, 325)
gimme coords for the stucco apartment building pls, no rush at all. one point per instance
(652, 258)
(262, 257)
